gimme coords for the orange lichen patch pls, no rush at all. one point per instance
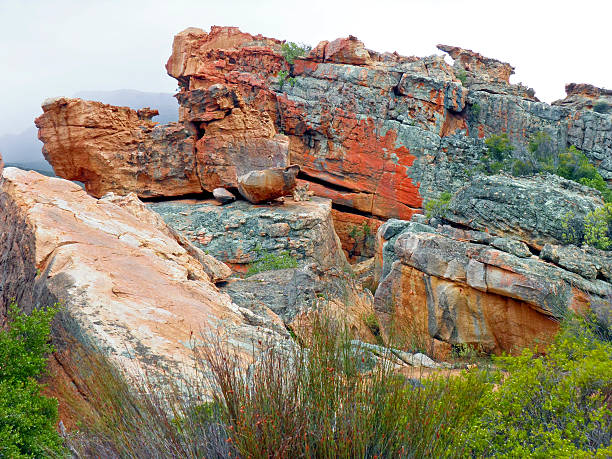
(365, 162)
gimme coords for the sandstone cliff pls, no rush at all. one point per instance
(376, 133)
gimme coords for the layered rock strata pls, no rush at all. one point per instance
(241, 233)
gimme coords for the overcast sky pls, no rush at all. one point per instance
(50, 48)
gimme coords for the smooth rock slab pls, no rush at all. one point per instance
(127, 285)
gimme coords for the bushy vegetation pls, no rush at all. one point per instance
(269, 261)
(327, 399)
(598, 227)
(438, 207)
(291, 51)
(283, 77)
(319, 402)
(27, 418)
(542, 156)
(553, 405)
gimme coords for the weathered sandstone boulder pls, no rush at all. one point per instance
(241, 233)
(114, 149)
(128, 286)
(298, 295)
(268, 184)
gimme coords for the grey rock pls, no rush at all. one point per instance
(512, 246)
(240, 233)
(223, 196)
(531, 209)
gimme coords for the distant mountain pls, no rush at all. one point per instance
(24, 150)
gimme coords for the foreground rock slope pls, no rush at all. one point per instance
(127, 285)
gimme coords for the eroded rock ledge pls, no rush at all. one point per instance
(499, 279)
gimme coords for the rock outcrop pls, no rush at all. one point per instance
(498, 279)
(126, 284)
(117, 149)
(377, 133)
(581, 96)
(241, 233)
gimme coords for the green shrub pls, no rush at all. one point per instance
(499, 147)
(438, 207)
(27, 418)
(602, 107)
(291, 51)
(462, 76)
(476, 109)
(553, 405)
(573, 229)
(597, 227)
(269, 261)
(283, 77)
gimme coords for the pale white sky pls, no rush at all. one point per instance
(58, 47)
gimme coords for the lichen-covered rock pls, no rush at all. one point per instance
(442, 285)
(241, 233)
(532, 209)
(127, 285)
(377, 133)
(268, 184)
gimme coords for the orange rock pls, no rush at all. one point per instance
(347, 51)
(357, 234)
(111, 148)
(268, 184)
(421, 306)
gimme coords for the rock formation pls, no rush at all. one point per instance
(117, 149)
(127, 285)
(463, 285)
(378, 134)
(241, 233)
